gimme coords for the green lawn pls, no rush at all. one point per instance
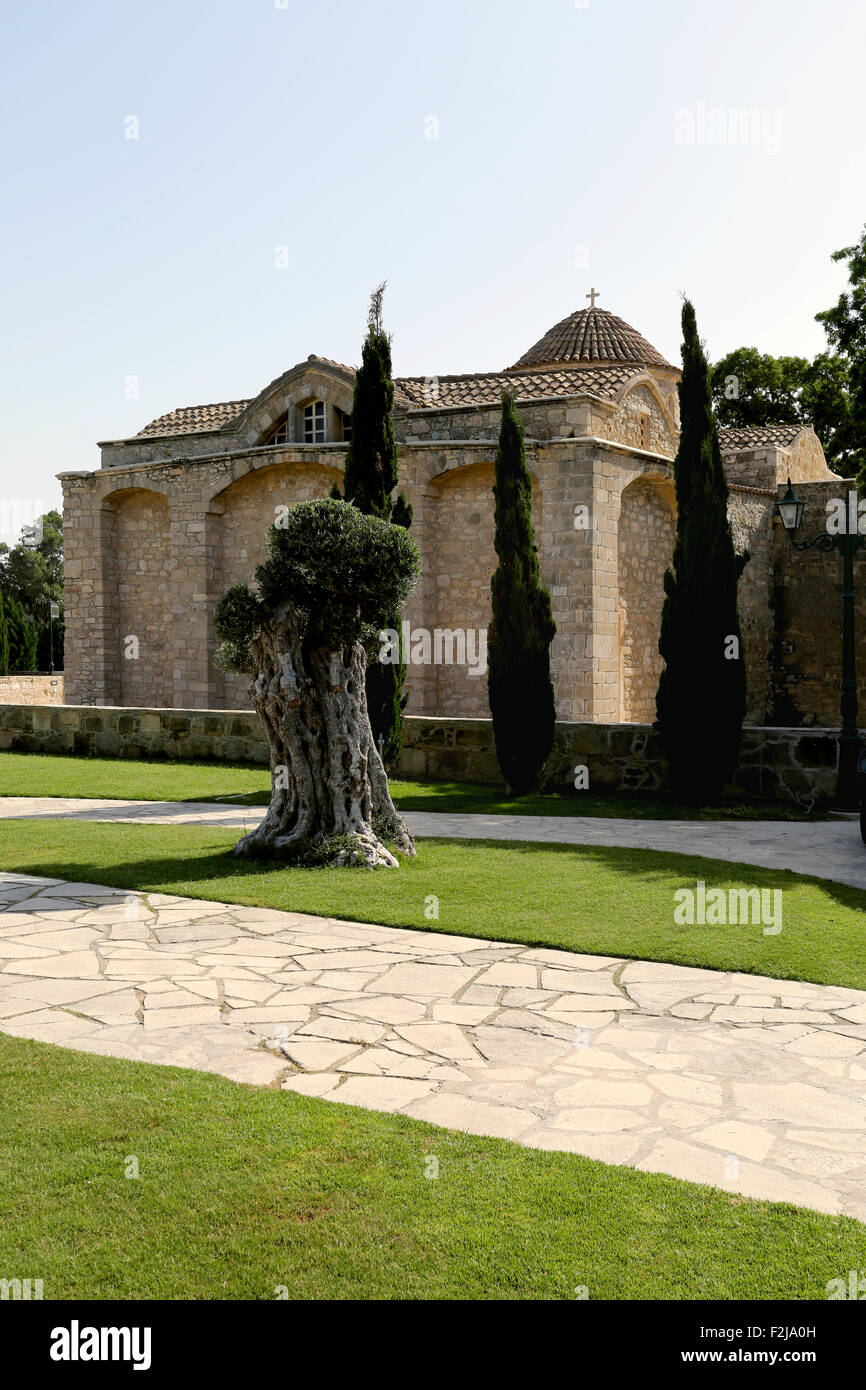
(242, 1191)
(46, 774)
(582, 898)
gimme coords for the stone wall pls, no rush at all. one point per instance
(218, 735)
(798, 765)
(645, 536)
(152, 547)
(31, 690)
(156, 536)
(806, 663)
(751, 516)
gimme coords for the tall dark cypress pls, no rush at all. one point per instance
(369, 480)
(4, 641)
(701, 699)
(519, 687)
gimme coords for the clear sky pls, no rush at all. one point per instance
(575, 145)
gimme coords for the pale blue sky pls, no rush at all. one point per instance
(305, 126)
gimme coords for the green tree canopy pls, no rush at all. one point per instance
(344, 572)
(845, 326)
(31, 577)
(754, 388)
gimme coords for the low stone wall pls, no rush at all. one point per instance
(220, 735)
(31, 690)
(778, 764)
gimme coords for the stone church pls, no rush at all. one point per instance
(177, 513)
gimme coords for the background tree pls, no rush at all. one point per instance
(701, 698)
(330, 580)
(753, 388)
(370, 478)
(519, 687)
(829, 391)
(4, 641)
(845, 326)
(31, 577)
(23, 636)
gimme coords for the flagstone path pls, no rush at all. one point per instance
(826, 849)
(753, 1085)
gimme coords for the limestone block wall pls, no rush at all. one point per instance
(31, 690)
(107, 731)
(460, 558)
(567, 559)
(807, 461)
(751, 517)
(141, 609)
(645, 540)
(150, 562)
(641, 422)
(806, 665)
(798, 765)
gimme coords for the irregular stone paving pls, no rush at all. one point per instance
(751, 1084)
(826, 849)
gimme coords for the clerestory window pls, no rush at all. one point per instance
(280, 432)
(314, 422)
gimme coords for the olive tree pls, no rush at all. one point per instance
(330, 580)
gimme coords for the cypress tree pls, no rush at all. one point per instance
(369, 480)
(4, 641)
(519, 687)
(23, 636)
(701, 699)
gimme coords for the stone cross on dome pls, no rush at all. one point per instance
(592, 297)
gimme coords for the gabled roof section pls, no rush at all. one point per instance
(603, 381)
(591, 335)
(203, 419)
(193, 419)
(734, 438)
(416, 393)
(485, 388)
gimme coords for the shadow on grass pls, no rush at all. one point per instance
(218, 863)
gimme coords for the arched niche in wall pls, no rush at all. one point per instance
(458, 559)
(248, 506)
(645, 540)
(137, 564)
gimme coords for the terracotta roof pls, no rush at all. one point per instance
(732, 439)
(418, 393)
(200, 419)
(591, 335)
(193, 419)
(485, 387)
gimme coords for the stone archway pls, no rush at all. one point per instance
(459, 557)
(247, 507)
(139, 589)
(645, 540)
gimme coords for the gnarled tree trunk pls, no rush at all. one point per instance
(327, 779)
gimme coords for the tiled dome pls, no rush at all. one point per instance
(591, 335)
